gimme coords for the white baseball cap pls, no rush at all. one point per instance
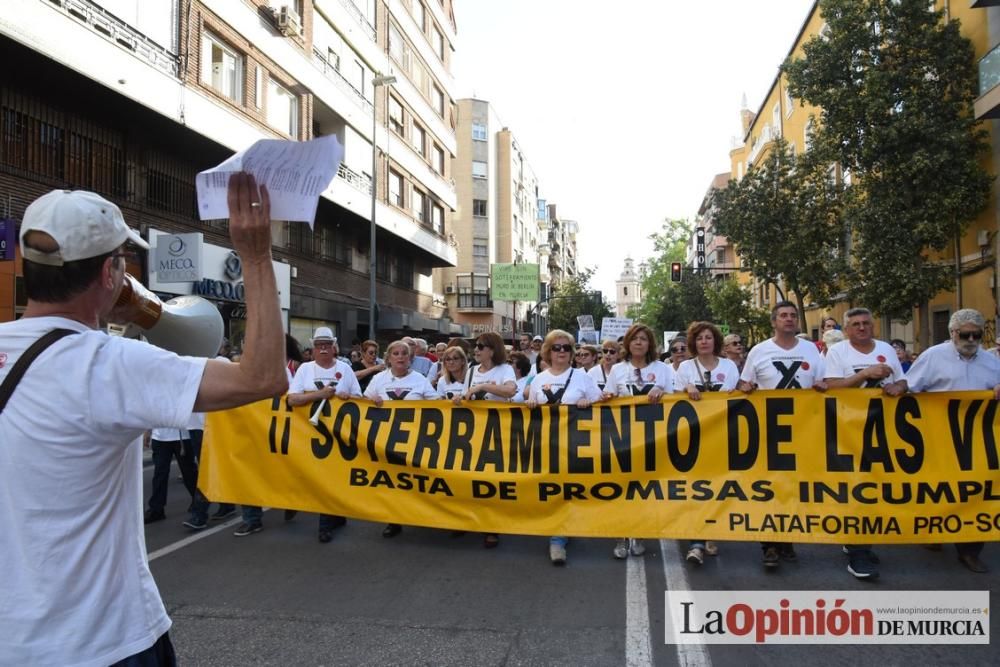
(538, 338)
(323, 333)
(83, 225)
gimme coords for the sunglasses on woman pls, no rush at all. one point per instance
(610, 351)
(483, 346)
(559, 347)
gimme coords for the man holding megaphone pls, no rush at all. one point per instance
(78, 588)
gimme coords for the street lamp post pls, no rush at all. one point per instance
(378, 80)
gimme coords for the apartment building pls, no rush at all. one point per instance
(562, 233)
(720, 258)
(132, 100)
(975, 255)
(496, 221)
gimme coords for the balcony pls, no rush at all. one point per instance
(767, 135)
(333, 74)
(988, 104)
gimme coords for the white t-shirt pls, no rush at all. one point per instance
(77, 588)
(624, 379)
(496, 375)
(844, 360)
(311, 376)
(411, 387)
(721, 378)
(774, 367)
(549, 388)
(597, 372)
(196, 423)
(450, 390)
(521, 384)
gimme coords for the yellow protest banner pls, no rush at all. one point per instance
(848, 466)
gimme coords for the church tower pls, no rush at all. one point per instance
(628, 288)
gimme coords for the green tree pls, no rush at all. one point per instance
(731, 304)
(895, 83)
(666, 305)
(573, 297)
(786, 221)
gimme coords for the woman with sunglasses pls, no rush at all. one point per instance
(678, 352)
(706, 371)
(369, 366)
(398, 383)
(454, 368)
(733, 349)
(609, 357)
(561, 383)
(491, 378)
(640, 374)
(586, 357)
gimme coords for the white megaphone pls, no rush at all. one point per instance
(187, 325)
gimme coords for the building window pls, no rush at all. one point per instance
(398, 49)
(437, 219)
(478, 169)
(221, 67)
(479, 208)
(420, 15)
(478, 132)
(437, 41)
(480, 249)
(395, 188)
(383, 263)
(473, 290)
(439, 159)
(720, 255)
(438, 99)
(419, 139)
(282, 109)
(419, 206)
(404, 271)
(396, 116)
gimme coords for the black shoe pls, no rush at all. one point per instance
(248, 529)
(337, 522)
(392, 530)
(224, 512)
(152, 516)
(290, 514)
(325, 535)
(771, 557)
(861, 565)
(196, 523)
(972, 562)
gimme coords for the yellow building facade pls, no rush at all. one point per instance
(974, 256)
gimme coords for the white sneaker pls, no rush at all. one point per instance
(711, 548)
(621, 549)
(636, 546)
(695, 555)
(557, 554)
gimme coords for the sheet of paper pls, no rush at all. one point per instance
(295, 172)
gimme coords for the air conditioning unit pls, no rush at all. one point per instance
(449, 289)
(289, 21)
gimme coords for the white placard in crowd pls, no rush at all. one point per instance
(613, 328)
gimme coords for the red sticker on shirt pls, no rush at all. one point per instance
(651, 377)
(805, 365)
(881, 359)
(720, 377)
(3, 359)
(337, 375)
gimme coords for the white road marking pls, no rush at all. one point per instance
(674, 574)
(638, 651)
(194, 537)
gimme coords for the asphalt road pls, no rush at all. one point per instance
(279, 597)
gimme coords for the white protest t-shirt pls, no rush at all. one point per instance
(496, 375)
(844, 360)
(571, 386)
(411, 387)
(627, 380)
(450, 390)
(773, 367)
(600, 377)
(519, 396)
(721, 378)
(77, 588)
(311, 376)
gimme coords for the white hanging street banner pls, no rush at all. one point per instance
(177, 258)
(613, 328)
(296, 174)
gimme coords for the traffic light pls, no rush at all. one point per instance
(675, 272)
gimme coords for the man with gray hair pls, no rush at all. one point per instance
(418, 355)
(959, 364)
(862, 361)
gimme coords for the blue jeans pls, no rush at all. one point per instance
(562, 541)
(160, 654)
(252, 514)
